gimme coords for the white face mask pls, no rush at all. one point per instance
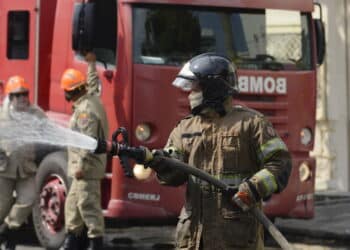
(195, 98)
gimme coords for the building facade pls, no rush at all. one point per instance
(332, 135)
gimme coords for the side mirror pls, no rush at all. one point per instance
(108, 74)
(320, 36)
(83, 30)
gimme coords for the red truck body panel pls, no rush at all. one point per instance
(140, 93)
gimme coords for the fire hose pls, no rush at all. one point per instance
(142, 155)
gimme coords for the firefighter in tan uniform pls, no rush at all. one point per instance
(83, 204)
(235, 144)
(17, 164)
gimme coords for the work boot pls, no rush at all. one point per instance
(12, 239)
(96, 243)
(10, 245)
(70, 242)
(83, 240)
(4, 229)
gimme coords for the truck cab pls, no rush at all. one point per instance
(140, 46)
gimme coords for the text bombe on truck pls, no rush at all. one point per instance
(140, 47)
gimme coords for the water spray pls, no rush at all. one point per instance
(25, 128)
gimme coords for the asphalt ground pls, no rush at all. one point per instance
(331, 223)
(328, 230)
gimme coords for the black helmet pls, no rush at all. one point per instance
(215, 75)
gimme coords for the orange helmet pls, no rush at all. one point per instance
(72, 79)
(16, 84)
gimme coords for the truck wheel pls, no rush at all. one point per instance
(48, 210)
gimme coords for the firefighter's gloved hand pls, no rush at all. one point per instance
(247, 196)
(112, 148)
(3, 232)
(104, 146)
(101, 147)
(160, 152)
(156, 163)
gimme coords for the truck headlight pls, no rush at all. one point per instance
(143, 132)
(141, 173)
(305, 136)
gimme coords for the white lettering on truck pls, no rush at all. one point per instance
(260, 85)
(143, 196)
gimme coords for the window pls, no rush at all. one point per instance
(253, 39)
(18, 35)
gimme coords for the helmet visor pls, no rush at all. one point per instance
(185, 80)
(185, 84)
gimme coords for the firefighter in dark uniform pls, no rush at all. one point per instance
(236, 144)
(83, 204)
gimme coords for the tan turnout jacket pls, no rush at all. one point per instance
(231, 148)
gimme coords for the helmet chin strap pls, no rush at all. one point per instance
(75, 94)
(212, 96)
(215, 105)
(197, 110)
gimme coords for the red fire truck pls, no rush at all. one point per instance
(140, 46)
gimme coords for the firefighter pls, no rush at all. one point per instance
(17, 164)
(235, 144)
(83, 203)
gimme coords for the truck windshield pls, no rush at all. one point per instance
(253, 39)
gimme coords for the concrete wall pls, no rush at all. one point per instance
(332, 132)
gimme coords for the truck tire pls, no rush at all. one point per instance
(48, 211)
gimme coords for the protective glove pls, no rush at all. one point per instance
(160, 152)
(104, 146)
(4, 229)
(247, 196)
(156, 163)
(101, 147)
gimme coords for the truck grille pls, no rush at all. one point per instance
(275, 109)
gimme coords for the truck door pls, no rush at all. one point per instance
(17, 41)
